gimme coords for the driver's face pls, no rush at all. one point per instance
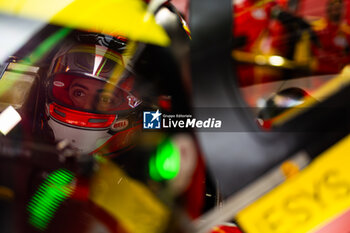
(89, 94)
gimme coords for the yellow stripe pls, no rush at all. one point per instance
(123, 17)
(331, 87)
(307, 200)
(128, 200)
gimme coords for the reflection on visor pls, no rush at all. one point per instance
(92, 60)
(88, 94)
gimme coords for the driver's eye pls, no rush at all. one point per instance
(78, 93)
(105, 99)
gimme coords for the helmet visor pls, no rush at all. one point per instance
(85, 77)
(95, 61)
(90, 94)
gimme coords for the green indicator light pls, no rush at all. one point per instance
(165, 165)
(52, 192)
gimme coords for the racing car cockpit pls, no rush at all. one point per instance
(116, 117)
(80, 99)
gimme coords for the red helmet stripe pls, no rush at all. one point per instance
(80, 118)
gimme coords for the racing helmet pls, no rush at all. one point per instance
(91, 100)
